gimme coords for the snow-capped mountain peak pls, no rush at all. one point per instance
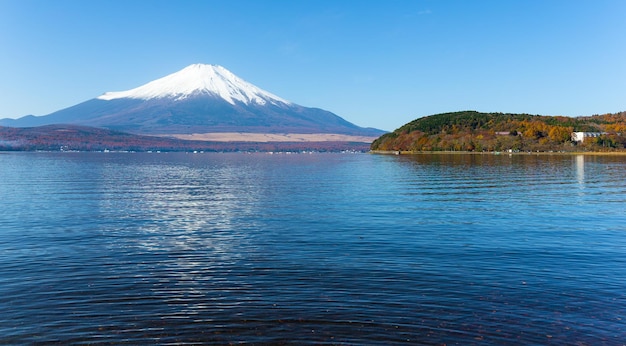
(199, 79)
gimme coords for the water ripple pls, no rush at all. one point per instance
(123, 248)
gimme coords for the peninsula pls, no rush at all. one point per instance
(473, 131)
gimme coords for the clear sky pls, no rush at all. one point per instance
(375, 63)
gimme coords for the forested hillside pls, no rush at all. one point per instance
(475, 131)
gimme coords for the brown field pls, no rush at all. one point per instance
(272, 137)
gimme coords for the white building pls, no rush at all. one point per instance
(580, 136)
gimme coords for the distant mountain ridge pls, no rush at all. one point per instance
(84, 138)
(197, 99)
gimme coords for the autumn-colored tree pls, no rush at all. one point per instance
(560, 134)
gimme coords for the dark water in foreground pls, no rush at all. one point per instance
(312, 248)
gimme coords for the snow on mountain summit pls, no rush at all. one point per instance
(199, 79)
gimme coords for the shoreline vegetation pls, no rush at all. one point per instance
(475, 132)
(572, 153)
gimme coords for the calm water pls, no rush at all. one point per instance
(129, 248)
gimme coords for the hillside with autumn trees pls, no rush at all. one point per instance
(475, 131)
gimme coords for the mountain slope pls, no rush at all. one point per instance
(197, 99)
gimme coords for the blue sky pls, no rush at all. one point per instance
(375, 63)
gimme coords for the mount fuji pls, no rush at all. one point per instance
(198, 100)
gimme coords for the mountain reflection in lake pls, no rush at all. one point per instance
(130, 248)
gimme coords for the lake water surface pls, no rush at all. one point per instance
(172, 248)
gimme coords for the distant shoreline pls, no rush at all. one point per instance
(408, 152)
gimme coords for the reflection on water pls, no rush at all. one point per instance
(580, 170)
(324, 248)
(194, 219)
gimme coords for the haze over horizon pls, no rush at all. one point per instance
(376, 64)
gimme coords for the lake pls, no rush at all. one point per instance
(174, 248)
